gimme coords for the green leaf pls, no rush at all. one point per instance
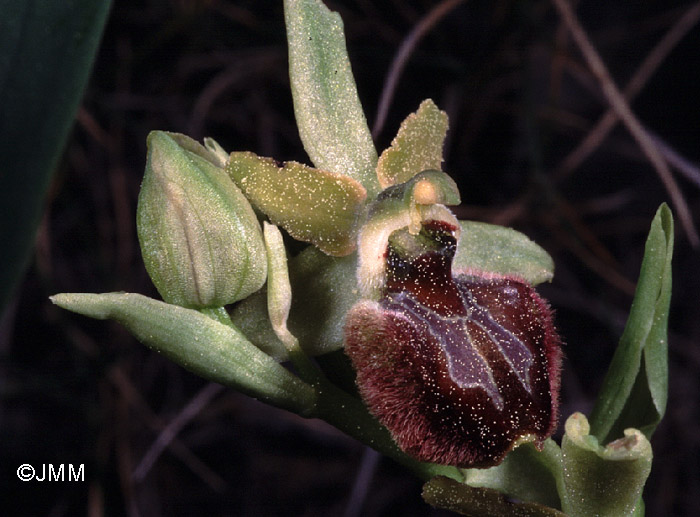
(448, 494)
(497, 249)
(526, 474)
(213, 350)
(329, 115)
(47, 53)
(635, 388)
(603, 481)
(416, 147)
(316, 206)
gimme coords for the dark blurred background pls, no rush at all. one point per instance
(520, 99)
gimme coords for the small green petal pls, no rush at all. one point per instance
(416, 147)
(279, 290)
(313, 205)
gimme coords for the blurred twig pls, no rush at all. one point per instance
(644, 72)
(129, 392)
(169, 432)
(623, 111)
(408, 45)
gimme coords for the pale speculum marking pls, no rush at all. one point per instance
(457, 336)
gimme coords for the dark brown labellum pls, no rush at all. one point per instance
(458, 368)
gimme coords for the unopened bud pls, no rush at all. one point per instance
(200, 239)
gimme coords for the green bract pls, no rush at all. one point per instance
(214, 350)
(200, 239)
(603, 481)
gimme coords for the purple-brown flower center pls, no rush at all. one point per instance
(457, 367)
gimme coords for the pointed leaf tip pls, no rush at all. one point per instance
(635, 388)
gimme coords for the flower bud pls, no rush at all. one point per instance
(459, 367)
(200, 239)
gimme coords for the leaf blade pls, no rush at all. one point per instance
(48, 49)
(198, 343)
(635, 388)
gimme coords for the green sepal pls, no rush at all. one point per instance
(200, 239)
(603, 481)
(328, 112)
(635, 388)
(313, 205)
(416, 147)
(448, 494)
(197, 342)
(490, 248)
(525, 474)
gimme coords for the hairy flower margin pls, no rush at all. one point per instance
(461, 366)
